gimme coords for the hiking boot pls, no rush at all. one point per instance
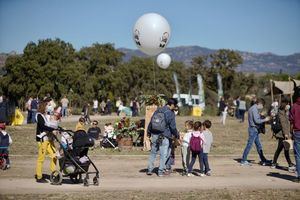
(245, 163)
(41, 180)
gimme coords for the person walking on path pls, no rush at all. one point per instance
(295, 127)
(161, 129)
(282, 135)
(254, 120)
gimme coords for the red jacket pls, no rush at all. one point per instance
(295, 115)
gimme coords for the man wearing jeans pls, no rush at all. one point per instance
(295, 127)
(254, 119)
(160, 140)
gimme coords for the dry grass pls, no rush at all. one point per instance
(228, 140)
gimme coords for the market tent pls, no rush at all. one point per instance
(283, 87)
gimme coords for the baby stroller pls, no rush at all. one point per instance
(3, 156)
(109, 139)
(74, 160)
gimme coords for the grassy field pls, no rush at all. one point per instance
(228, 140)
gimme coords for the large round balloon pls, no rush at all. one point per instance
(163, 60)
(151, 33)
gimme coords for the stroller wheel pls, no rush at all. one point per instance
(85, 182)
(56, 178)
(2, 163)
(76, 178)
(95, 181)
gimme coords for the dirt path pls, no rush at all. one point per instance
(120, 173)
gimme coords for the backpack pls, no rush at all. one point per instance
(195, 144)
(158, 122)
(276, 125)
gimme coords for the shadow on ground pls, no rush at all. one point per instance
(281, 176)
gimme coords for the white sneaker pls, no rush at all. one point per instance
(190, 175)
(208, 173)
(245, 163)
(292, 169)
(201, 174)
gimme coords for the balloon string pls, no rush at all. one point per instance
(154, 80)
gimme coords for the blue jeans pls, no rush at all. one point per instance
(170, 158)
(194, 157)
(163, 152)
(242, 115)
(29, 116)
(253, 137)
(64, 111)
(33, 114)
(205, 162)
(297, 151)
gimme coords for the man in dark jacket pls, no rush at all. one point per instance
(295, 127)
(160, 140)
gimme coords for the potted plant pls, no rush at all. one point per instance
(125, 130)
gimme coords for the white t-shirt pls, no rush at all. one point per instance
(187, 138)
(95, 105)
(208, 141)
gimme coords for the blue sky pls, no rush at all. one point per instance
(253, 25)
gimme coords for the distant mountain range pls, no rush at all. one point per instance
(253, 62)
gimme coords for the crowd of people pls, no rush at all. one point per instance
(195, 141)
(104, 108)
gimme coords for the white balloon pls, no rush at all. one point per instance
(163, 60)
(151, 33)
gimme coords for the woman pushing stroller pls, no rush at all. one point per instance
(44, 137)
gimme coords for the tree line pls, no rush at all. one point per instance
(98, 71)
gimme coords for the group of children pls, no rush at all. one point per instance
(196, 142)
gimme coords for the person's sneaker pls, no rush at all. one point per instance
(208, 173)
(296, 180)
(292, 168)
(201, 174)
(265, 162)
(41, 180)
(245, 163)
(6, 167)
(273, 166)
(149, 173)
(190, 175)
